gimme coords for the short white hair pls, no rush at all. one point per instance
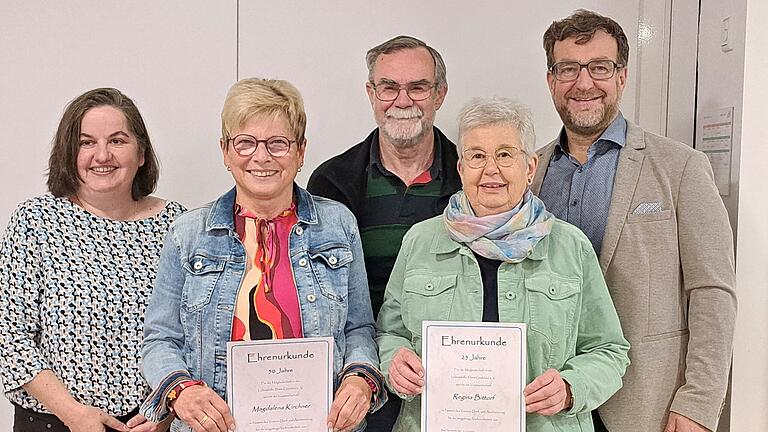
(498, 111)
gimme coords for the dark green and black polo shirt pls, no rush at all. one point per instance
(390, 208)
(384, 206)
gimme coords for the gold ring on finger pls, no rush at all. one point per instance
(204, 419)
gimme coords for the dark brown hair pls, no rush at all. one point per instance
(63, 178)
(582, 25)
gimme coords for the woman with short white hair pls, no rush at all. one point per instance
(509, 260)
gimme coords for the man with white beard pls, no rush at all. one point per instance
(402, 173)
(650, 208)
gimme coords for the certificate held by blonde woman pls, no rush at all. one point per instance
(280, 384)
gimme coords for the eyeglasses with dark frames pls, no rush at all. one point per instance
(246, 145)
(387, 91)
(504, 157)
(598, 69)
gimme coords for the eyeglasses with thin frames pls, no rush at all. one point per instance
(504, 157)
(598, 69)
(246, 145)
(387, 91)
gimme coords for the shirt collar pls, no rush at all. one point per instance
(245, 213)
(616, 133)
(221, 215)
(434, 169)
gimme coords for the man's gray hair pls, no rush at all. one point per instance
(402, 42)
(483, 112)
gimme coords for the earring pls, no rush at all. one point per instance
(530, 180)
(228, 168)
(299, 170)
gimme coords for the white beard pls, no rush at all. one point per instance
(404, 127)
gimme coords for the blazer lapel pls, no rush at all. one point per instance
(624, 185)
(545, 155)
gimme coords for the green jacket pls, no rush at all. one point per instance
(558, 291)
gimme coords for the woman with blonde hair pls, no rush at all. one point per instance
(266, 260)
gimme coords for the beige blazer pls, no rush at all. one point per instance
(670, 272)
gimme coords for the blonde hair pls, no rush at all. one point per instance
(256, 96)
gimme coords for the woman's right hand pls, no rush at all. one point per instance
(203, 410)
(406, 374)
(86, 418)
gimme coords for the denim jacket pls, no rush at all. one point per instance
(189, 317)
(558, 291)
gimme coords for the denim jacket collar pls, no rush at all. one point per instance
(442, 243)
(221, 216)
(305, 206)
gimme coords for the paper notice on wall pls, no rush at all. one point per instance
(716, 143)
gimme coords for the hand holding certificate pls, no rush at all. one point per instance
(280, 385)
(406, 373)
(474, 377)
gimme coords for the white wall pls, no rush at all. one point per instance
(174, 60)
(750, 374)
(493, 49)
(177, 58)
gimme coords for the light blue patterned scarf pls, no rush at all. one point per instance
(509, 236)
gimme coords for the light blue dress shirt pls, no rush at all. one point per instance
(581, 193)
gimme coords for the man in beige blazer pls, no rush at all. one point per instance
(653, 214)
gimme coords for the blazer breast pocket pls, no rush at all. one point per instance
(649, 217)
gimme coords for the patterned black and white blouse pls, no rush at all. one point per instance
(73, 291)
